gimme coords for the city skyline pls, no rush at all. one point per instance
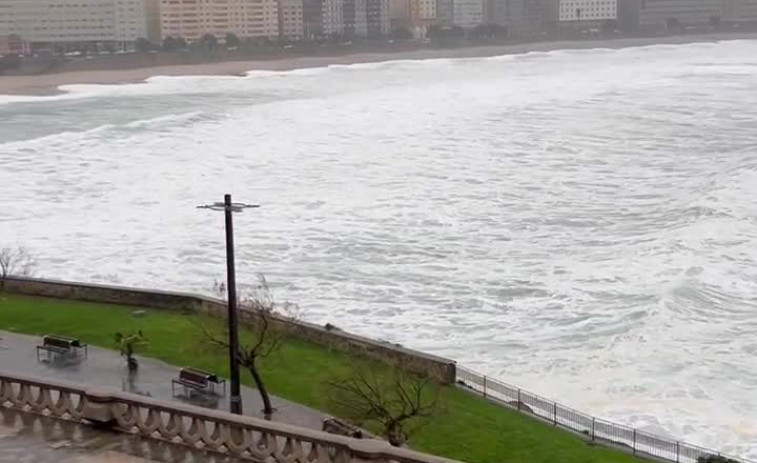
(27, 24)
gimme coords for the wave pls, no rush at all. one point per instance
(162, 84)
(108, 130)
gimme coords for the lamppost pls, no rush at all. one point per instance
(235, 400)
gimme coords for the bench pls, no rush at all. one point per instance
(197, 380)
(61, 345)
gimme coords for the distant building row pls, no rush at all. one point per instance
(123, 21)
(283, 19)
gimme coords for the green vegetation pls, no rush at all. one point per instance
(468, 428)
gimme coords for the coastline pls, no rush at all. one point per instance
(48, 84)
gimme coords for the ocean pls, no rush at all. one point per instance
(579, 223)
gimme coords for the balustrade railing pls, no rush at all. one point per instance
(239, 436)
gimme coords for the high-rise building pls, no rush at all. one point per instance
(73, 21)
(468, 13)
(291, 22)
(735, 11)
(587, 10)
(658, 13)
(507, 13)
(13, 45)
(365, 18)
(415, 15)
(323, 18)
(152, 19)
(655, 15)
(191, 19)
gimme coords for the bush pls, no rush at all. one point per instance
(127, 344)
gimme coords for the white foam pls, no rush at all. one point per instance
(582, 216)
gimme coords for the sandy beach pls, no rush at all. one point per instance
(47, 84)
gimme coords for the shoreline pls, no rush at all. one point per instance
(49, 84)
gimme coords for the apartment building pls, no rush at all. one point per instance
(73, 21)
(507, 13)
(736, 11)
(291, 22)
(191, 19)
(323, 18)
(587, 10)
(659, 15)
(468, 13)
(415, 15)
(13, 45)
(365, 18)
(655, 14)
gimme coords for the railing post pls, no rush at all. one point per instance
(554, 413)
(484, 386)
(593, 427)
(518, 399)
(634, 441)
(678, 452)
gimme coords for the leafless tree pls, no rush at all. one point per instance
(15, 262)
(399, 402)
(264, 323)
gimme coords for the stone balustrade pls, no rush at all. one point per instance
(239, 436)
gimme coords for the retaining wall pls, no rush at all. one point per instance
(411, 360)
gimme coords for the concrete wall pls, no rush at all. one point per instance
(414, 361)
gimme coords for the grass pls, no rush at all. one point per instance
(468, 428)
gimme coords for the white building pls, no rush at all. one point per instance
(467, 13)
(333, 17)
(69, 21)
(292, 23)
(426, 9)
(588, 10)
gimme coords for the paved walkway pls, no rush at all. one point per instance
(106, 368)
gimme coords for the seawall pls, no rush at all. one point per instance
(443, 370)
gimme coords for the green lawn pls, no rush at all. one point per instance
(468, 428)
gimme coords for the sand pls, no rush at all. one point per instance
(46, 84)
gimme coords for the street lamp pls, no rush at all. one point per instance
(235, 400)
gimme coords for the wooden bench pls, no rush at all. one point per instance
(197, 380)
(62, 346)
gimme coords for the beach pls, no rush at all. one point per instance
(49, 84)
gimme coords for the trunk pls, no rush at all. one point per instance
(267, 408)
(394, 434)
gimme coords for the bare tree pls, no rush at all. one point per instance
(265, 323)
(15, 262)
(394, 402)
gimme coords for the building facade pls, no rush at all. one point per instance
(291, 24)
(657, 14)
(191, 19)
(365, 18)
(662, 15)
(13, 45)
(507, 13)
(73, 21)
(414, 15)
(464, 13)
(587, 10)
(322, 19)
(739, 11)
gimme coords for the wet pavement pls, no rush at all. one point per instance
(104, 367)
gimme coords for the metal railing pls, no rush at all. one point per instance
(634, 440)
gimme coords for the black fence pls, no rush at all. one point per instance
(637, 442)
